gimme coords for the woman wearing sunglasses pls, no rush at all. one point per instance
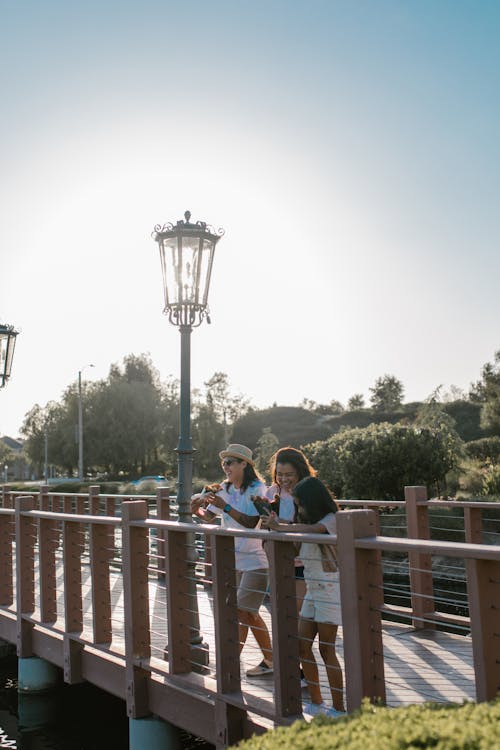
(234, 504)
(287, 467)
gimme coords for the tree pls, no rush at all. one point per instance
(387, 393)
(226, 407)
(49, 424)
(356, 402)
(267, 445)
(334, 407)
(208, 439)
(7, 455)
(487, 392)
(123, 418)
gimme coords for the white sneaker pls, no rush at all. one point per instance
(260, 670)
(332, 712)
(312, 709)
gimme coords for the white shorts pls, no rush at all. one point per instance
(322, 601)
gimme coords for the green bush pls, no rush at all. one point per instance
(485, 449)
(469, 726)
(378, 461)
(471, 477)
(491, 483)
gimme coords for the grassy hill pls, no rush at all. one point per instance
(294, 425)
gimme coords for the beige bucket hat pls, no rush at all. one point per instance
(235, 450)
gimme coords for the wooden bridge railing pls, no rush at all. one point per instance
(80, 625)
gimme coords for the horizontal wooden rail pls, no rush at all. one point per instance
(448, 549)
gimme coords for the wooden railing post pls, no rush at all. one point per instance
(135, 545)
(421, 586)
(483, 590)
(163, 514)
(286, 658)
(43, 497)
(101, 589)
(178, 601)
(110, 508)
(48, 531)
(25, 574)
(94, 501)
(229, 719)
(208, 562)
(73, 546)
(361, 594)
(473, 522)
(7, 531)
(8, 498)
(81, 502)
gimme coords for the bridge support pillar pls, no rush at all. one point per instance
(154, 734)
(36, 675)
(36, 710)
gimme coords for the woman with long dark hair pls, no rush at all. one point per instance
(287, 467)
(320, 614)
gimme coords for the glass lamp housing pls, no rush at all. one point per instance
(7, 346)
(186, 255)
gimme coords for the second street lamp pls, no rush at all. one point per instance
(187, 254)
(7, 345)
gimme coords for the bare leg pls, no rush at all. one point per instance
(300, 592)
(259, 630)
(242, 631)
(327, 636)
(307, 634)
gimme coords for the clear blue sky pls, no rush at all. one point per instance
(350, 150)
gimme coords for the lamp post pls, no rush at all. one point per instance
(7, 345)
(80, 424)
(187, 254)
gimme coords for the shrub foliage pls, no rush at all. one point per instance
(441, 727)
(378, 461)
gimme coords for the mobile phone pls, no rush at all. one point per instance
(262, 507)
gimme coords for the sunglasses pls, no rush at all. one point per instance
(229, 461)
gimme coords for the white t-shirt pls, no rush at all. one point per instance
(310, 553)
(287, 506)
(248, 551)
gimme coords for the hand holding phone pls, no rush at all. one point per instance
(262, 505)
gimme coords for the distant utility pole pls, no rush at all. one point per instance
(80, 424)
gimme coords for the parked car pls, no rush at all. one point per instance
(157, 478)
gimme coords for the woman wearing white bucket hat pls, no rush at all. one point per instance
(234, 504)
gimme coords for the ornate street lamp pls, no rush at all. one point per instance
(7, 346)
(187, 255)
